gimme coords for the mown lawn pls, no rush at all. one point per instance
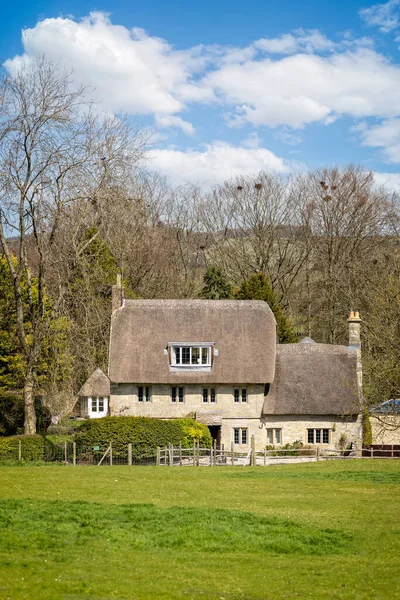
(320, 530)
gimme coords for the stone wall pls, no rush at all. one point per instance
(231, 415)
(385, 429)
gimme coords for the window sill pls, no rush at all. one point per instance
(184, 368)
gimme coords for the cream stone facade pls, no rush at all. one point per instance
(230, 415)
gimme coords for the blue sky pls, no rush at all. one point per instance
(228, 86)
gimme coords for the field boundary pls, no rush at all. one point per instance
(70, 453)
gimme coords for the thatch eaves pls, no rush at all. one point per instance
(314, 379)
(97, 385)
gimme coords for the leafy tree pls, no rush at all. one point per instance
(55, 360)
(257, 287)
(216, 285)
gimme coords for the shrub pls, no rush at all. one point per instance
(33, 447)
(60, 430)
(292, 449)
(144, 433)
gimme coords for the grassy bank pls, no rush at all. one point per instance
(321, 530)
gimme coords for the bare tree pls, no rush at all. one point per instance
(253, 225)
(55, 152)
(344, 217)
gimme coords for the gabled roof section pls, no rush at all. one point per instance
(389, 407)
(243, 333)
(314, 379)
(97, 384)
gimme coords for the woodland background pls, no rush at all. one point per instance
(79, 204)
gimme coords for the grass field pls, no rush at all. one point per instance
(320, 530)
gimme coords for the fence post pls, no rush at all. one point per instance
(317, 452)
(158, 457)
(215, 452)
(74, 453)
(65, 452)
(171, 455)
(265, 456)
(253, 451)
(198, 454)
(166, 456)
(130, 454)
(111, 456)
(180, 454)
(372, 452)
(194, 454)
(211, 455)
(19, 450)
(232, 455)
(392, 450)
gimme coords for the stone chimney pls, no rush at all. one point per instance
(354, 322)
(117, 294)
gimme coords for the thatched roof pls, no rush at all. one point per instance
(98, 384)
(243, 331)
(314, 379)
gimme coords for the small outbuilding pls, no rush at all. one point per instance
(94, 396)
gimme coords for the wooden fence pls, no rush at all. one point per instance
(70, 453)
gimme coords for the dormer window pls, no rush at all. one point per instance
(196, 355)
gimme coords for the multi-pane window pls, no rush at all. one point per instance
(240, 435)
(274, 436)
(144, 393)
(98, 404)
(240, 395)
(209, 395)
(177, 394)
(191, 356)
(318, 436)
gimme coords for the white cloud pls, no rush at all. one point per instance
(217, 162)
(131, 71)
(390, 181)
(386, 135)
(288, 138)
(305, 88)
(172, 121)
(292, 80)
(300, 41)
(385, 16)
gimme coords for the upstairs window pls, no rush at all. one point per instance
(144, 393)
(240, 394)
(209, 395)
(177, 394)
(196, 355)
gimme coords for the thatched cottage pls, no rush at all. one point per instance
(218, 360)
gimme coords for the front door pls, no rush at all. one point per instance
(215, 431)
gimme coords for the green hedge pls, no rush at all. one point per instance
(144, 433)
(33, 447)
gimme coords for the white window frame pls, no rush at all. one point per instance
(144, 394)
(211, 395)
(95, 404)
(176, 350)
(242, 432)
(272, 437)
(239, 396)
